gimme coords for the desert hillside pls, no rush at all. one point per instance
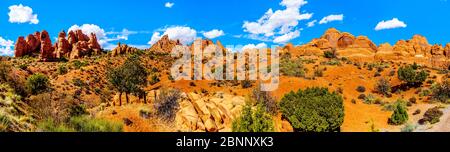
(75, 85)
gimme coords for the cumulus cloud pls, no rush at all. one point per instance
(169, 4)
(213, 34)
(253, 46)
(185, 34)
(6, 47)
(287, 37)
(312, 23)
(331, 18)
(279, 22)
(390, 24)
(22, 14)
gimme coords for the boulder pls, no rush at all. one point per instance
(94, 45)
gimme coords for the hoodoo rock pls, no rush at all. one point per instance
(164, 45)
(94, 45)
(123, 49)
(47, 50)
(72, 38)
(75, 45)
(34, 42)
(62, 47)
(21, 47)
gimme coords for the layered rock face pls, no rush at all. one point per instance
(77, 45)
(123, 49)
(164, 45)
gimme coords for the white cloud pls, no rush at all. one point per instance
(253, 46)
(278, 22)
(213, 34)
(390, 24)
(312, 23)
(6, 47)
(287, 37)
(331, 18)
(22, 14)
(169, 4)
(185, 34)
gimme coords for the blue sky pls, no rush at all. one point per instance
(135, 22)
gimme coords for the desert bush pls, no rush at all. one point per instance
(266, 100)
(313, 110)
(37, 83)
(441, 92)
(370, 99)
(362, 96)
(87, 124)
(62, 69)
(23, 66)
(294, 68)
(431, 116)
(383, 86)
(330, 54)
(44, 107)
(318, 72)
(77, 110)
(192, 84)
(400, 115)
(166, 104)
(78, 64)
(411, 75)
(78, 82)
(246, 84)
(253, 120)
(361, 89)
(409, 128)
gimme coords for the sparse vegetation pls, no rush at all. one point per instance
(37, 83)
(62, 69)
(431, 116)
(361, 89)
(383, 87)
(264, 99)
(166, 104)
(441, 92)
(400, 115)
(293, 68)
(253, 120)
(412, 75)
(313, 110)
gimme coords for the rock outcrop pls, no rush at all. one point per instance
(21, 47)
(76, 45)
(209, 114)
(417, 49)
(123, 49)
(164, 45)
(47, 50)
